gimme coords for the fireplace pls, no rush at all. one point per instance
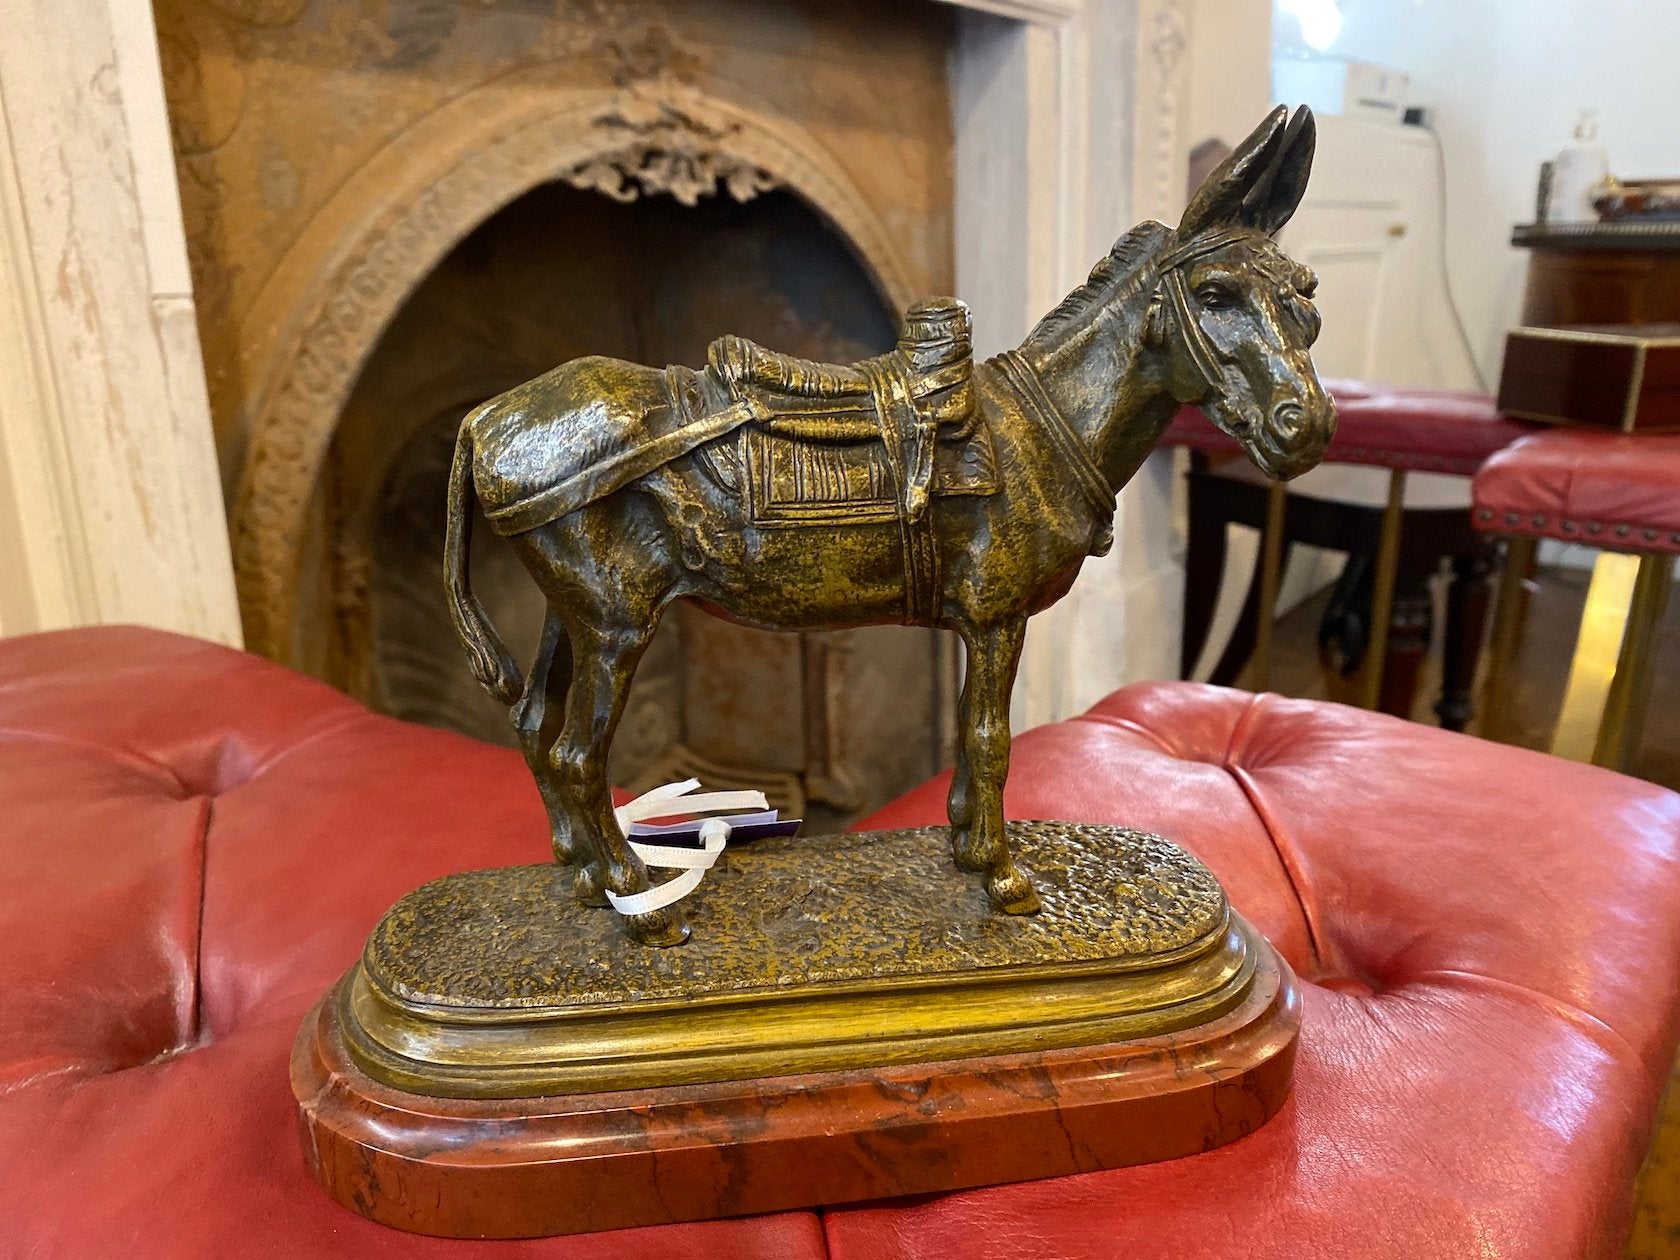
(563, 272)
(397, 208)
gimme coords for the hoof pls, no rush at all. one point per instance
(1013, 893)
(564, 854)
(589, 886)
(659, 928)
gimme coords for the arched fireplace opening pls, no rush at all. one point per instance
(831, 724)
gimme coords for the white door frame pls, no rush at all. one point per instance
(1069, 120)
(110, 501)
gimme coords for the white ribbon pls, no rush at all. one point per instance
(693, 863)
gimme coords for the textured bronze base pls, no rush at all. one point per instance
(807, 956)
(851, 1020)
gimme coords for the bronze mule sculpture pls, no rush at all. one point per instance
(622, 488)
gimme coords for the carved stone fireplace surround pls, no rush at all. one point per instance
(1068, 128)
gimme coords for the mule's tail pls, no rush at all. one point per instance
(491, 663)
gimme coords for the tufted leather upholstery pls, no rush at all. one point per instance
(1490, 940)
(1612, 490)
(196, 843)
(1420, 430)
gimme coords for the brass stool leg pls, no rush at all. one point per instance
(1271, 577)
(1508, 612)
(1624, 708)
(1599, 643)
(1382, 591)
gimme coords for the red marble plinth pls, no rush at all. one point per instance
(519, 1168)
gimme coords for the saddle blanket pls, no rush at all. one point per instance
(843, 474)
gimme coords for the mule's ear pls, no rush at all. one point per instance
(1275, 195)
(1219, 201)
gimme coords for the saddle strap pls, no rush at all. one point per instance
(620, 470)
(898, 420)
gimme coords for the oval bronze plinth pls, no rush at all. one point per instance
(817, 955)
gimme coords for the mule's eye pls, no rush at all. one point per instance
(1215, 297)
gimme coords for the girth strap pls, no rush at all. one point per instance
(1198, 348)
(909, 455)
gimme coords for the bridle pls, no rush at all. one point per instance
(1198, 348)
(1023, 379)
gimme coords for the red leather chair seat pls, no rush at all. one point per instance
(1420, 430)
(196, 843)
(1612, 490)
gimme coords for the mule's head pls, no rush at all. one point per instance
(1234, 315)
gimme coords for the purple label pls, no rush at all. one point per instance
(756, 826)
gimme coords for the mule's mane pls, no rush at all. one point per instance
(1122, 270)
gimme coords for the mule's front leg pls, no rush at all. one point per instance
(959, 805)
(993, 654)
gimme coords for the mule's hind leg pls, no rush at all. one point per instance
(604, 660)
(980, 845)
(537, 718)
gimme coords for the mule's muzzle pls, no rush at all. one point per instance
(1293, 438)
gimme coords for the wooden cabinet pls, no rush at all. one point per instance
(1601, 273)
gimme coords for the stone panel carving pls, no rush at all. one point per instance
(672, 143)
(1164, 28)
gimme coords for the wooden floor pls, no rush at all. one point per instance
(1543, 665)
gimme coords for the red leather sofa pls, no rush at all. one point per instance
(195, 842)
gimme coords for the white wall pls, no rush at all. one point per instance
(1070, 126)
(1230, 69)
(1506, 81)
(110, 502)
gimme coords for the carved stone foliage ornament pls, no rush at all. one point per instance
(659, 136)
(512, 1022)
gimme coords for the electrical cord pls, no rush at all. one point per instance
(1441, 257)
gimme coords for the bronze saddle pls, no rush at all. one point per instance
(872, 440)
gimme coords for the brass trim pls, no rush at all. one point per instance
(547, 1051)
(1598, 646)
(1601, 338)
(1624, 708)
(1641, 347)
(1382, 591)
(1636, 383)
(1271, 578)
